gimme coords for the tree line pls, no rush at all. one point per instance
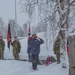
(4, 29)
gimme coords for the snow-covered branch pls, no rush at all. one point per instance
(72, 2)
(59, 8)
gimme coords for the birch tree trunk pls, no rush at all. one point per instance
(63, 25)
(72, 55)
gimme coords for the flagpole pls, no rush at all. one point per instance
(16, 17)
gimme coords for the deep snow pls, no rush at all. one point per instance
(14, 67)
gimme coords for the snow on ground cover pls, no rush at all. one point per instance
(14, 67)
(53, 69)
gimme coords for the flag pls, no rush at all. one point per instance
(29, 33)
(8, 36)
(28, 47)
(67, 48)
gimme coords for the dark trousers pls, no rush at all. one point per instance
(30, 57)
(34, 61)
(1, 54)
(58, 57)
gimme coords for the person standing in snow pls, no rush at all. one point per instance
(16, 48)
(35, 50)
(56, 48)
(2, 47)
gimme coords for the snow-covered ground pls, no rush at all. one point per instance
(15, 67)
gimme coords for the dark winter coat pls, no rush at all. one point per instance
(35, 45)
(28, 49)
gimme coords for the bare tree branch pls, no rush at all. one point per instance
(72, 2)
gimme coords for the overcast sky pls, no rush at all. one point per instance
(7, 11)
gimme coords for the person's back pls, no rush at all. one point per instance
(57, 50)
(16, 45)
(16, 48)
(56, 46)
